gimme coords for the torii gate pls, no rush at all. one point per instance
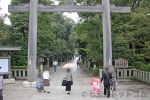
(34, 8)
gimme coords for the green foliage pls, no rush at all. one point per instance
(123, 52)
(139, 64)
(145, 68)
(53, 34)
(90, 40)
(18, 67)
(95, 71)
(131, 67)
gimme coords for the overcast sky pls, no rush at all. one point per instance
(4, 5)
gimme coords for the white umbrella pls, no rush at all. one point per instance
(69, 65)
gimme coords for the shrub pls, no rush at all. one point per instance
(95, 71)
(90, 69)
(138, 64)
(100, 67)
(131, 67)
(18, 67)
(21, 67)
(145, 68)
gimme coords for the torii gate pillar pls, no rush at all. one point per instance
(32, 41)
(107, 41)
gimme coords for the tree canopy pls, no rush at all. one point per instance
(54, 30)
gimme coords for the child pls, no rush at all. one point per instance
(95, 83)
(39, 83)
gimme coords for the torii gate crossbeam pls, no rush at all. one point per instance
(68, 8)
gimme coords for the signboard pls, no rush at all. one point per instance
(4, 63)
(121, 63)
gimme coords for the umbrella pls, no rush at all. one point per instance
(69, 65)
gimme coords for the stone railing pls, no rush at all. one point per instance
(131, 74)
(142, 76)
(125, 73)
(20, 73)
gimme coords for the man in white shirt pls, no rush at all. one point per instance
(1, 86)
(55, 63)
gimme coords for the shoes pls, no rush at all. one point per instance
(48, 92)
(44, 91)
(68, 93)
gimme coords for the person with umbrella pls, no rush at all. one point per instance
(1, 86)
(68, 77)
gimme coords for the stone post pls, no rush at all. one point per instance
(10, 73)
(117, 72)
(32, 41)
(48, 61)
(149, 77)
(100, 73)
(41, 67)
(125, 73)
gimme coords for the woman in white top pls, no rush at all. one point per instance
(46, 77)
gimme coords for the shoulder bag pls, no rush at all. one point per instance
(110, 81)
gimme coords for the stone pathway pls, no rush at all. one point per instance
(81, 89)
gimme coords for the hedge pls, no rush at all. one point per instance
(21, 67)
(18, 67)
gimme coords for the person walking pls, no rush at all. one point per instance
(106, 78)
(55, 63)
(77, 63)
(114, 80)
(46, 84)
(1, 87)
(69, 80)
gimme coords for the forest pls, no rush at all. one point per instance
(60, 36)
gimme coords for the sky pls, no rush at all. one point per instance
(4, 5)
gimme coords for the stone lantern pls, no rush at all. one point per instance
(41, 60)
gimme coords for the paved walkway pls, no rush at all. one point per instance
(81, 89)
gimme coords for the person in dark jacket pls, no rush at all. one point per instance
(105, 78)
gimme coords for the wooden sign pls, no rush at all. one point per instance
(121, 63)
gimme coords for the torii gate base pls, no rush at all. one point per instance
(33, 8)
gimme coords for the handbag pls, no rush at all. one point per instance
(110, 81)
(71, 82)
(64, 82)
